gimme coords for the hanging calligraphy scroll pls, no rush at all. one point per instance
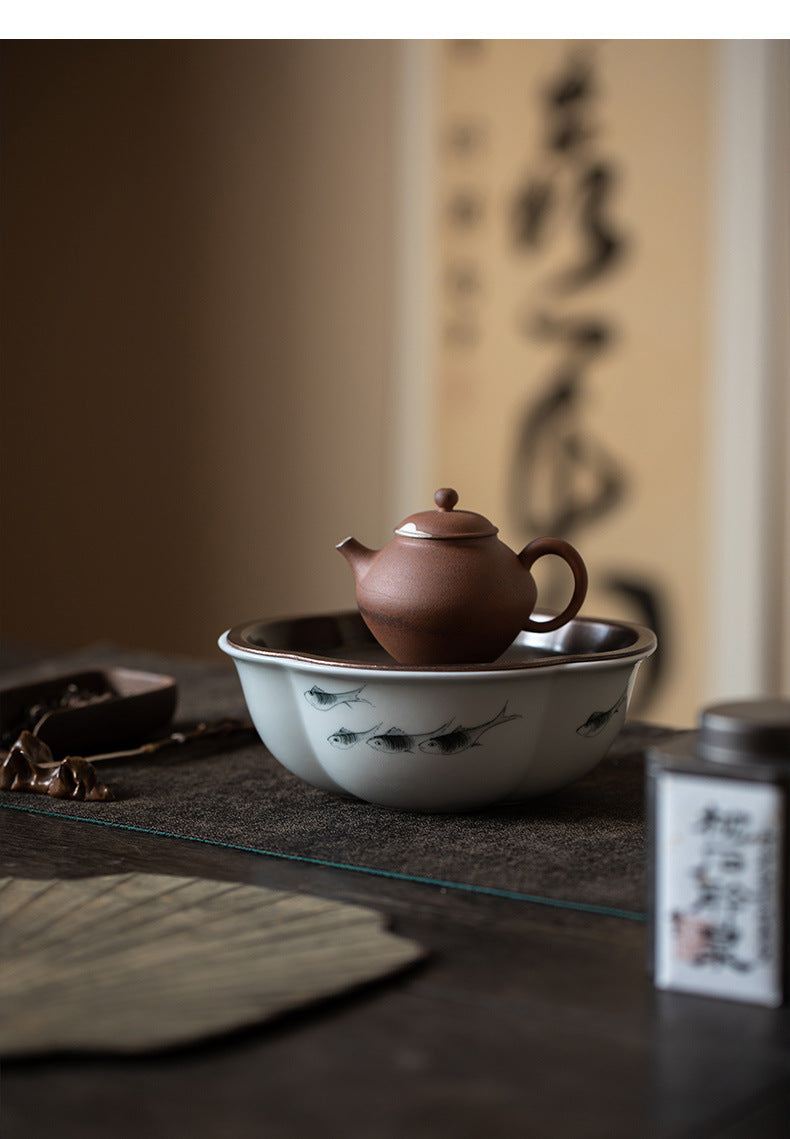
(573, 191)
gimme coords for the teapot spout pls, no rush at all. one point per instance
(359, 557)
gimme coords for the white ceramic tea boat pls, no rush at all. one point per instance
(339, 713)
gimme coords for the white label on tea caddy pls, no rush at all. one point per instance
(717, 905)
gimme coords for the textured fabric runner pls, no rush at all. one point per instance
(580, 848)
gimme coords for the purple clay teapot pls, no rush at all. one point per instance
(447, 591)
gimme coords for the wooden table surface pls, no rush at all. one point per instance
(522, 1021)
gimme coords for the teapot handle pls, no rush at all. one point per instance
(562, 549)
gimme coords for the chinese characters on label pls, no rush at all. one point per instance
(717, 887)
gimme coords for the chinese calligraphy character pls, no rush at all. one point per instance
(563, 476)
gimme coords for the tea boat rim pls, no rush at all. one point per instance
(627, 641)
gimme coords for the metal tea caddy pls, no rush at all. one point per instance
(718, 811)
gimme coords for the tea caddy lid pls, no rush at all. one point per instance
(745, 730)
(446, 522)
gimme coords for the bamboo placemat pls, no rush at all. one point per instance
(130, 963)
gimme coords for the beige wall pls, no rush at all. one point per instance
(197, 243)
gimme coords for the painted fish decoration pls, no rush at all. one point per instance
(460, 738)
(324, 700)
(398, 741)
(344, 737)
(597, 721)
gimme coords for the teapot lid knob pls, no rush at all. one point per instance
(446, 498)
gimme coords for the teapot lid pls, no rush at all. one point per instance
(446, 522)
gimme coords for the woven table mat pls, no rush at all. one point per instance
(580, 848)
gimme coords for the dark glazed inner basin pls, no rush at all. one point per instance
(344, 638)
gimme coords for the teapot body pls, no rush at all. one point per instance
(439, 602)
(447, 591)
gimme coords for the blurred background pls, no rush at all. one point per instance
(260, 295)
